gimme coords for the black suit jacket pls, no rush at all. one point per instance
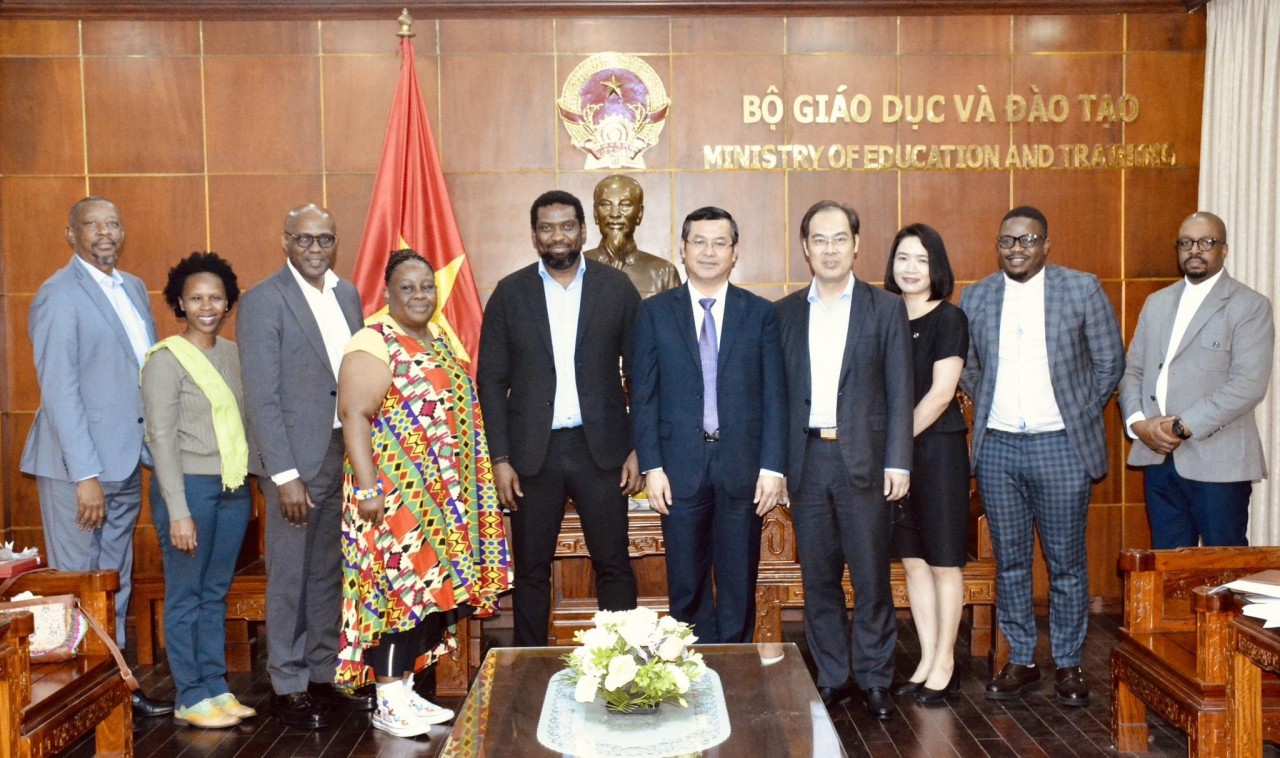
(666, 391)
(516, 373)
(876, 401)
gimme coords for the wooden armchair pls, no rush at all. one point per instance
(1172, 655)
(50, 706)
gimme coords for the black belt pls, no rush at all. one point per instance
(827, 433)
(711, 436)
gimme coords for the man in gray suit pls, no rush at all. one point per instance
(292, 329)
(1045, 352)
(90, 327)
(1199, 363)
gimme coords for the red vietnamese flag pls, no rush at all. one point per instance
(411, 208)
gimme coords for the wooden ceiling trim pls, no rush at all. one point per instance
(306, 9)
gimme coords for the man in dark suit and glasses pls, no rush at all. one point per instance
(555, 412)
(847, 351)
(1045, 354)
(709, 404)
(292, 329)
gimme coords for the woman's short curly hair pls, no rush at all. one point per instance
(401, 256)
(199, 263)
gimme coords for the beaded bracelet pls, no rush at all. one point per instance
(360, 495)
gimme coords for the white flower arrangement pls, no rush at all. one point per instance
(634, 659)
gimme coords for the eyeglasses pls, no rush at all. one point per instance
(1204, 244)
(1027, 241)
(325, 241)
(699, 244)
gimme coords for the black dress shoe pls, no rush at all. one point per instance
(879, 704)
(1070, 686)
(833, 696)
(907, 689)
(298, 711)
(930, 696)
(1014, 681)
(145, 708)
(327, 694)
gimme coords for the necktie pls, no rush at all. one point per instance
(708, 351)
(130, 320)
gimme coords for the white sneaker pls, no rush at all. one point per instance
(425, 709)
(394, 715)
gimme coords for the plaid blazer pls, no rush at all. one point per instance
(1086, 356)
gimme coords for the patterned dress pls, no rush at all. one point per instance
(441, 543)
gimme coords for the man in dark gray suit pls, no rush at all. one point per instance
(292, 330)
(90, 327)
(556, 416)
(1044, 356)
(847, 353)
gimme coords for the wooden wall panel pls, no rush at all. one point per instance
(753, 198)
(262, 114)
(261, 38)
(41, 118)
(144, 115)
(163, 38)
(953, 34)
(710, 35)
(33, 223)
(842, 35)
(164, 220)
(488, 96)
(700, 78)
(637, 36)
(206, 132)
(1068, 34)
(1155, 205)
(1083, 210)
(246, 218)
(24, 37)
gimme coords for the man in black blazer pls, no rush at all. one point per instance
(709, 404)
(555, 412)
(847, 351)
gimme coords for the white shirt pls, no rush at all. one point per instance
(333, 330)
(564, 304)
(1193, 296)
(1024, 401)
(828, 335)
(828, 332)
(135, 327)
(717, 311)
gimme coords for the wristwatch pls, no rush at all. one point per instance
(1181, 431)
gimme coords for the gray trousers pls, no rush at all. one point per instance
(304, 580)
(109, 547)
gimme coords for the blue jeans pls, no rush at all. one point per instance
(195, 587)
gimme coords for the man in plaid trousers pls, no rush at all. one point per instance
(1045, 353)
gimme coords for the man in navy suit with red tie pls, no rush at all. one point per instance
(709, 412)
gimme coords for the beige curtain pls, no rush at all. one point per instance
(1240, 181)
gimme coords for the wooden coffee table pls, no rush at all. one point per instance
(774, 708)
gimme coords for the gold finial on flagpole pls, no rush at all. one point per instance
(406, 21)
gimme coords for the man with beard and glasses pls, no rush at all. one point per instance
(619, 209)
(556, 415)
(1198, 365)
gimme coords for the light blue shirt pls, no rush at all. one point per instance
(564, 304)
(135, 327)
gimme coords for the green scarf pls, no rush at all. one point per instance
(228, 427)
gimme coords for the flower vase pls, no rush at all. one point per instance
(635, 710)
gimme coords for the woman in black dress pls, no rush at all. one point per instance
(931, 529)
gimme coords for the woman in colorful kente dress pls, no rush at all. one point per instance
(423, 539)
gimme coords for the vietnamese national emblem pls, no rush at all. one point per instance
(613, 106)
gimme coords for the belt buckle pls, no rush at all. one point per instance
(827, 433)
(711, 436)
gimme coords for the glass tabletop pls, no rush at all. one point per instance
(774, 709)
